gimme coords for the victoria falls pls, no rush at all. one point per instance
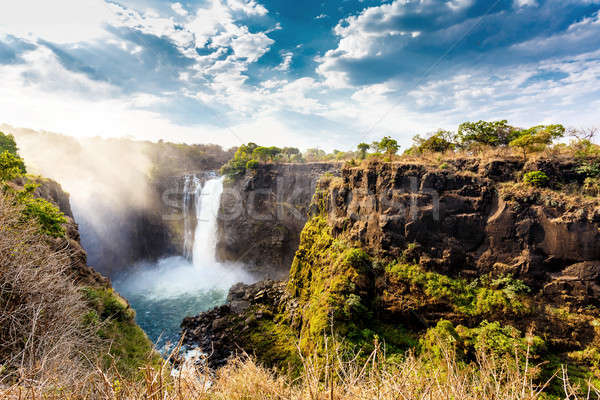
(278, 200)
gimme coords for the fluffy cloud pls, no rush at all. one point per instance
(402, 39)
(59, 21)
(213, 71)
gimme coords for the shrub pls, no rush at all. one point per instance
(252, 164)
(591, 186)
(42, 310)
(8, 144)
(589, 169)
(536, 178)
(11, 166)
(48, 216)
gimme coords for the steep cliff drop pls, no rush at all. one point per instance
(163, 293)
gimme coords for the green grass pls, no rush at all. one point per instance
(129, 348)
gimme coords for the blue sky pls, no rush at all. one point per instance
(311, 73)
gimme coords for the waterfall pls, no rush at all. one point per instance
(205, 235)
(166, 291)
(189, 191)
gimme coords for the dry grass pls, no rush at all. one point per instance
(333, 378)
(42, 337)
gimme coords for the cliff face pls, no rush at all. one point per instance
(262, 214)
(403, 253)
(70, 242)
(466, 221)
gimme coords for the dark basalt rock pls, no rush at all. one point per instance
(220, 332)
(262, 215)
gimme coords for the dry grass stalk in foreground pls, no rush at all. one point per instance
(242, 379)
(42, 337)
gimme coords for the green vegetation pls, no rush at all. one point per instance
(537, 138)
(536, 178)
(49, 217)
(8, 147)
(387, 146)
(46, 214)
(439, 142)
(485, 297)
(10, 166)
(362, 149)
(489, 337)
(324, 277)
(113, 320)
(497, 133)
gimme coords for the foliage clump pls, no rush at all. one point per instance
(47, 216)
(494, 338)
(536, 178)
(325, 277)
(9, 157)
(113, 320)
(439, 142)
(481, 297)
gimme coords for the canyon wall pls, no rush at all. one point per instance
(398, 253)
(467, 219)
(262, 214)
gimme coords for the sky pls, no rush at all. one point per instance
(326, 74)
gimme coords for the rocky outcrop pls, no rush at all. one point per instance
(262, 214)
(223, 331)
(458, 221)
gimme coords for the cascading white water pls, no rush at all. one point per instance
(205, 234)
(190, 186)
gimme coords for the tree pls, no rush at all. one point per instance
(438, 142)
(386, 145)
(363, 148)
(314, 154)
(290, 152)
(10, 166)
(261, 153)
(266, 153)
(537, 138)
(7, 143)
(497, 133)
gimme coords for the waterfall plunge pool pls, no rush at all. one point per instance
(165, 292)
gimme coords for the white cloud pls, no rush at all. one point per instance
(247, 7)
(526, 3)
(59, 21)
(321, 16)
(178, 9)
(286, 63)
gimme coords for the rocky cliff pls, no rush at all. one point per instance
(70, 242)
(262, 214)
(409, 253)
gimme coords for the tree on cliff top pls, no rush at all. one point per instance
(362, 149)
(437, 142)
(8, 144)
(537, 138)
(497, 133)
(386, 145)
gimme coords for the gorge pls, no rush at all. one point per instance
(408, 254)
